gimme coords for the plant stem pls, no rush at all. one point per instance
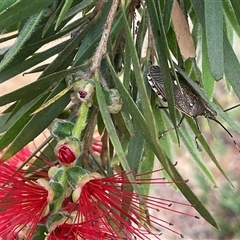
(81, 121)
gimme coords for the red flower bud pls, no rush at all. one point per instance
(67, 151)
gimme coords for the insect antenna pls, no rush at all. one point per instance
(233, 139)
(231, 108)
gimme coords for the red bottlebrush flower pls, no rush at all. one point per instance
(19, 158)
(125, 213)
(22, 204)
(85, 230)
(96, 144)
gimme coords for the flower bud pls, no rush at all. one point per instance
(74, 174)
(83, 180)
(61, 129)
(70, 79)
(115, 101)
(44, 183)
(57, 219)
(57, 189)
(54, 171)
(67, 151)
(83, 91)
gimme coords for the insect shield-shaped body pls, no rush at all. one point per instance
(186, 99)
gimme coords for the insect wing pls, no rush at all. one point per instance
(155, 80)
(186, 98)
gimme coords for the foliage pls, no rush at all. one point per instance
(82, 28)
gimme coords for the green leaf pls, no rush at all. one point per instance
(110, 127)
(163, 54)
(207, 78)
(4, 5)
(54, 11)
(21, 10)
(167, 14)
(37, 87)
(135, 149)
(63, 12)
(236, 8)
(214, 36)
(113, 135)
(37, 58)
(23, 119)
(146, 166)
(141, 34)
(208, 150)
(230, 14)
(231, 66)
(25, 33)
(152, 141)
(38, 122)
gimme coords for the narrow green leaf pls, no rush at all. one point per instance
(37, 58)
(37, 87)
(146, 166)
(231, 65)
(146, 108)
(156, 148)
(135, 149)
(162, 125)
(141, 33)
(128, 122)
(230, 14)
(54, 11)
(190, 143)
(110, 127)
(20, 10)
(79, 7)
(13, 130)
(207, 78)
(64, 10)
(198, 7)
(167, 14)
(5, 123)
(163, 54)
(113, 135)
(236, 8)
(214, 36)
(6, 4)
(25, 33)
(38, 122)
(53, 99)
(206, 147)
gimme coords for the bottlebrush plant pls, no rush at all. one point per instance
(105, 129)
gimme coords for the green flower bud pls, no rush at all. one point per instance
(61, 129)
(83, 91)
(74, 174)
(115, 101)
(57, 219)
(57, 189)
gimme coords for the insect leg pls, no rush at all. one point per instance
(179, 124)
(199, 133)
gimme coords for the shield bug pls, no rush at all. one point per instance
(186, 98)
